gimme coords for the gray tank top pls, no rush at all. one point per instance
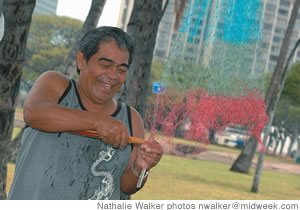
(66, 166)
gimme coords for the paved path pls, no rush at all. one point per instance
(229, 158)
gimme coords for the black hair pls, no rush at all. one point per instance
(90, 42)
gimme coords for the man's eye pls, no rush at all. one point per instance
(123, 70)
(105, 65)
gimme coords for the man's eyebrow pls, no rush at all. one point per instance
(124, 64)
(109, 60)
(105, 59)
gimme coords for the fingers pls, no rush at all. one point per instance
(151, 160)
(124, 139)
(150, 153)
(116, 139)
(113, 132)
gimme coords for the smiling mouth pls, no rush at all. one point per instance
(106, 86)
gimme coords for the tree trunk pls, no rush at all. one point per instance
(298, 151)
(17, 15)
(69, 67)
(282, 145)
(142, 27)
(274, 84)
(211, 136)
(293, 138)
(243, 163)
(276, 146)
(14, 147)
(1, 20)
(271, 105)
(270, 143)
(298, 145)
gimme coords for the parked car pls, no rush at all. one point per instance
(233, 136)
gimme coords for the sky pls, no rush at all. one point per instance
(79, 9)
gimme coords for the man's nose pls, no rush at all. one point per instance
(113, 72)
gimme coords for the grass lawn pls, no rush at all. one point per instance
(220, 148)
(19, 109)
(11, 166)
(15, 132)
(10, 175)
(177, 178)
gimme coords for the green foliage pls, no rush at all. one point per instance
(157, 69)
(292, 85)
(268, 79)
(186, 75)
(289, 104)
(49, 41)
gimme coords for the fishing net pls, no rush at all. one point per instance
(214, 76)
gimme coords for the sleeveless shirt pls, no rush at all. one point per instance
(53, 166)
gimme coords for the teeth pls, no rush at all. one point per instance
(107, 86)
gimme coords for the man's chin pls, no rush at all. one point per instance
(105, 97)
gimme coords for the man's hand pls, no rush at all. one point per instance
(112, 131)
(149, 154)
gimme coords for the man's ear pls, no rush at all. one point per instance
(81, 61)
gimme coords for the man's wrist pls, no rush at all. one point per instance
(136, 170)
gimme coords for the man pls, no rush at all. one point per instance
(55, 164)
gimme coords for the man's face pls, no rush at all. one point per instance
(105, 72)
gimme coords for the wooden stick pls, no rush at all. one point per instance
(94, 134)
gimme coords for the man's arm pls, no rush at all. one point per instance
(149, 153)
(41, 111)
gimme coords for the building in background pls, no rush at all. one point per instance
(165, 30)
(45, 7)
(124, 13)
(276, 15)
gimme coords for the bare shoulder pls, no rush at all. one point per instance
(52, 80)
(54, 77)
(48, 87)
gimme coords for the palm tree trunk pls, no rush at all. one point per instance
(282, 145)
(142, 27)
(298, 145)
(293, 138)
(69, 67)
(14, 147)
(273, 104)
(243, 162)
(17, 15)
(274, 84)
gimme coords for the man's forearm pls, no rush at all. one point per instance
(55, 118)
(129, 180)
